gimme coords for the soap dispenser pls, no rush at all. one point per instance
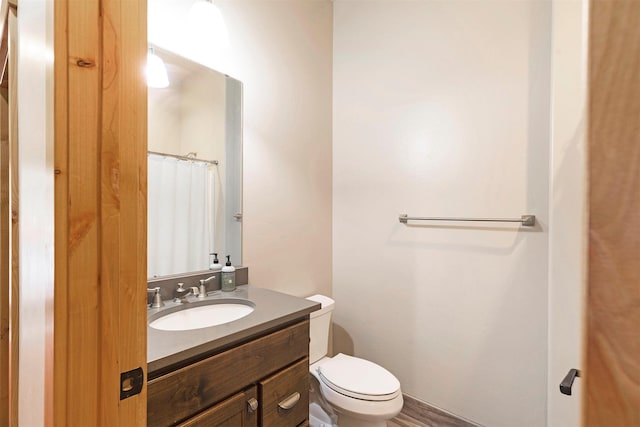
(215, 264)
(228, 276)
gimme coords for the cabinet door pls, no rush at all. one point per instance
(233, 412)
(284, 397)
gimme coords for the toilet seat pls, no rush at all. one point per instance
(359, 378)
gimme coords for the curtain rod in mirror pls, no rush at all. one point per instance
(187, 157)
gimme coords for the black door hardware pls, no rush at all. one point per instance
(131, 383)
(567, 382)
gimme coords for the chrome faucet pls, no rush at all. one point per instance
(181, 293)
(203, 288)
(157, 299)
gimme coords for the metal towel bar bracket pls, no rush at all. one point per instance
(525, 220)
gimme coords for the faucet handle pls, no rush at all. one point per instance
(203, 287)
(157, 298)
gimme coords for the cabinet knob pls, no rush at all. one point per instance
(252, 404)
(290, 401)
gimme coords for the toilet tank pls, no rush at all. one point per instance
(319, 328)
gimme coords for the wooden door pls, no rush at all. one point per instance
(100, 210)
(612, 359)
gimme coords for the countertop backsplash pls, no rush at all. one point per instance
(167, 284)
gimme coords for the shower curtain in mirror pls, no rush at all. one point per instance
(180, 215)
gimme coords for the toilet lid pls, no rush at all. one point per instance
(359, 378)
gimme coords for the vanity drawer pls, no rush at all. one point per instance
(233, 412)
(180, 394)
(284, 397)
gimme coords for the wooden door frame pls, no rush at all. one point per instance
(5, 229)
(612, 353)
(612, 293)
(100, 210)
(9, 234)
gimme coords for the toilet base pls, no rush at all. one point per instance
(361, 413)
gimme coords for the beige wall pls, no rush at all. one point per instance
(282, 52)
(165, 120)
(441, 108)
(203, 121)
(283, 55)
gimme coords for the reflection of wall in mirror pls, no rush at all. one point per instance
(188, 116)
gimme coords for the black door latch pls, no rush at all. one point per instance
(131, 383)
(567, 382)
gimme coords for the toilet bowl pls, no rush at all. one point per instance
(360, 392)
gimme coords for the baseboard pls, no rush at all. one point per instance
(432, 416)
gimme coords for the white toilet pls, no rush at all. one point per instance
(360, 392)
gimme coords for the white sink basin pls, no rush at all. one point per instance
(201, 316)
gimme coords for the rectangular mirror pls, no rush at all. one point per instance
(194, 168)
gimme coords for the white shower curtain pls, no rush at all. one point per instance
(180, 215)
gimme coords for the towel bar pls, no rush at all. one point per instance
(525, 220)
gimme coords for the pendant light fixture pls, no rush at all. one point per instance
(207, 26)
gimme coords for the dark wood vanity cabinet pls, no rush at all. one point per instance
(263, 382)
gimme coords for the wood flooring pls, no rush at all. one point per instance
(416, 413)
(403, 420)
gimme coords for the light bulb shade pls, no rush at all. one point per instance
(206, 25)
(156, 71)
